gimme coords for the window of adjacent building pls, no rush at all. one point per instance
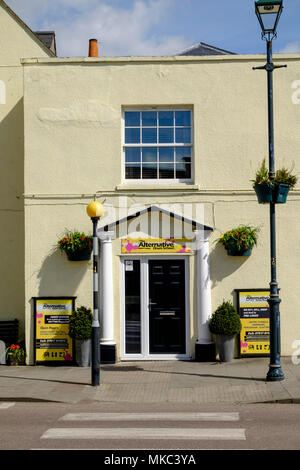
(158, 144)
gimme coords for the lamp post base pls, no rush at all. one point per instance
(275, 374)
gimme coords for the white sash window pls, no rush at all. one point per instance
(158, 145)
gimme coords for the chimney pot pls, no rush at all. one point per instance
(93, 48)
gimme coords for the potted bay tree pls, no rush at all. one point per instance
(80, 329)
(225, 324)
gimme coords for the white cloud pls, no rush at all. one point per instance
(292, 47)
(120, 30)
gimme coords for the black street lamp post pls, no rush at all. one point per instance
(95, 211)
(268, 13)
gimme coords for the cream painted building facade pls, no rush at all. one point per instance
(17, 41)
(157, 139)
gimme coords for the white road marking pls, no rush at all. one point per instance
(151, 417)
(6, 404)
(145, 433)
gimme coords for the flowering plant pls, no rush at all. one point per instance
(241, 238)
(75, 241)
(16, 352)
(282, 176)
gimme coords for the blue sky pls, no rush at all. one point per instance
(156, 27)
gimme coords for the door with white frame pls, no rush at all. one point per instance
(155, 308)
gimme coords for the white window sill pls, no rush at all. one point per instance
(157, 186)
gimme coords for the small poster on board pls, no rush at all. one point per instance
(254, 312)
(52, 341)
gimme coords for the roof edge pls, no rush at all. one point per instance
(26, 27)
(145, 59)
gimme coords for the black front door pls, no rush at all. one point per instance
(167, 307)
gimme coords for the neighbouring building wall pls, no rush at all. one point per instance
(73, 153)
(16, 42)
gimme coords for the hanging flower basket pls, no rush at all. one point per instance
(77, 245)
(275, 190)
(239, 241)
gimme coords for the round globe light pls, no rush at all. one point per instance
(95, 209)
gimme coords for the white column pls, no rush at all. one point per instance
(203, 287)
(106, 289)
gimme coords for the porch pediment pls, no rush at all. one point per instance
(155, 221)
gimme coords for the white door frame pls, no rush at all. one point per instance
(144, 295)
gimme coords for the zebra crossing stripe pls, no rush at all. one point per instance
(188, 416)
(146, 433)
(6, 405)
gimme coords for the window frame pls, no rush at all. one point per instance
(141, 145)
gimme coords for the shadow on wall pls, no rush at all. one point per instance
(222, 265)
(60, 277)
(12, 287)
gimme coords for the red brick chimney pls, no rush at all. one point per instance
(93, 48)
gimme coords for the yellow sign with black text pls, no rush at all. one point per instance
(156, 245)
(253, 309)
(52, 340)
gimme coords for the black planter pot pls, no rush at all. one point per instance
(264, 192)
(236, 252)
(268, 192)
(80, 255)
(280, 193)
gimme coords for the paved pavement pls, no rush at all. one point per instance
(238, 381)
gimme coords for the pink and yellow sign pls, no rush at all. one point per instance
(156, 245)
(52, 340)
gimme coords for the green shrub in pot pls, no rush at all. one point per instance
(80, 329)
(225, 323)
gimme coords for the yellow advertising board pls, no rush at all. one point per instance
(52, 340)
(254, 312)
(156, 245)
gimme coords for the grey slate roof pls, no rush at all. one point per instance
(204, 49)
(47, 38)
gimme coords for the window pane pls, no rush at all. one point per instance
(182, 118)
(132, 171)
(132, 154)
(149, 136)
(149, 171)
(132, 307)
(183, 170)
(166, 170)
(132, 119)
(183, 154)
(149, 118)
(132, 136)
(166, 154)
(149, 154)
(166, 135)
(183, 135)
(165, 118)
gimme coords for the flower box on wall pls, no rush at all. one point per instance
(77, 246)
(239, 241)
